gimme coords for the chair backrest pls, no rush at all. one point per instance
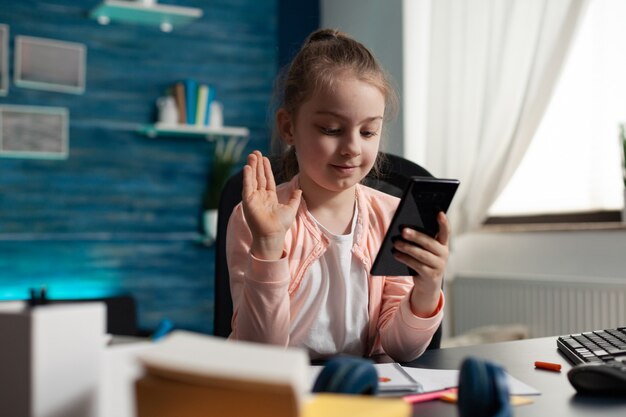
(395, 175)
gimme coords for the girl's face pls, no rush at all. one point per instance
(336, 135)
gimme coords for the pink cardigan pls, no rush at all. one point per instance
(262, 290)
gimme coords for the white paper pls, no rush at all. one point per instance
(393, 379)
(439, 379)
(434, 379)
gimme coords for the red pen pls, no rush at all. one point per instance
(548, 365)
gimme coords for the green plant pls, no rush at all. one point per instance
(227, 155)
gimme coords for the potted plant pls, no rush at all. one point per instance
(227, 155)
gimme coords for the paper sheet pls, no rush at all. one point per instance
(439, 379)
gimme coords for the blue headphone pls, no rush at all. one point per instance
(348, 375)
(483, 390)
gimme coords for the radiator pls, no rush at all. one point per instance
(548, 307)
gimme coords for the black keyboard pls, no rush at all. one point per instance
(600, 346)
(600, 361)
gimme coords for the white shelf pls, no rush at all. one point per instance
(208, 132)
(145, 12)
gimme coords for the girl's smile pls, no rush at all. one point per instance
(345, 169)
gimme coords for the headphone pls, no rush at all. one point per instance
(348, 375)
(483, 390)
(483, 387)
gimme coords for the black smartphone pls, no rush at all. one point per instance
(422, 199)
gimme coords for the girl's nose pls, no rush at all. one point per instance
(351, 143)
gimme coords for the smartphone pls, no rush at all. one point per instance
(421, 201)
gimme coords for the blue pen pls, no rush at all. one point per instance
(164, 327)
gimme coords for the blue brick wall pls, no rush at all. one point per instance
(121, 213)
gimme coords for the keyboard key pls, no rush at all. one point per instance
(600, 346)
(618, 335)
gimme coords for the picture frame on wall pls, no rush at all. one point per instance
(4, 60)
(40, 132)
(49, 64)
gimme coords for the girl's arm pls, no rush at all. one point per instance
(412, 309)
(259, 289)
(258, 268)
(403, 335)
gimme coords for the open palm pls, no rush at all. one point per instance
(267, 218)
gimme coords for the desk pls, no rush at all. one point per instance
(558, 398)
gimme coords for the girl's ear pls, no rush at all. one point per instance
(285, 125)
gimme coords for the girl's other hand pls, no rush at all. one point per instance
(267, 218)
(428, 257)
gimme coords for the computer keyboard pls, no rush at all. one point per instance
(599, 346)
(600, 359)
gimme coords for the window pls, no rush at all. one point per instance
(573, 163)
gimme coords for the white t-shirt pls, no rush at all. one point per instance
(334, 298)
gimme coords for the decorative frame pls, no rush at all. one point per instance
(48, 64)
(34, 132)
(4, 59)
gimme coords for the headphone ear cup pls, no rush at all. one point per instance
(326, 374)
(502, 402)
(347, 375)
(483, 390)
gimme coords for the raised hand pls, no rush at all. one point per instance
(267, 218)
(428, 258)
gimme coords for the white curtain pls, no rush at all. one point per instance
(492, 68)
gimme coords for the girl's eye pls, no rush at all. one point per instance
(330, 131)
(368, 134)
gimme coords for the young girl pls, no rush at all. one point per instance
(299, 254)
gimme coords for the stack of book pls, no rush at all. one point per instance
(189, 375)
(193, 101)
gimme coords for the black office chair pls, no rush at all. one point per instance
(396, 172)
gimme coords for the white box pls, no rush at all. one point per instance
(50, 360)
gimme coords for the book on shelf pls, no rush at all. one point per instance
(203, 105)
(206, 95)
(203, 93)
(191, 99)
(179, 97)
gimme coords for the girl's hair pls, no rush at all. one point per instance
(324, 55)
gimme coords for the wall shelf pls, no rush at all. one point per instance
(146, 12)
(209, 133)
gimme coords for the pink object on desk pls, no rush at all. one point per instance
(427, 396)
